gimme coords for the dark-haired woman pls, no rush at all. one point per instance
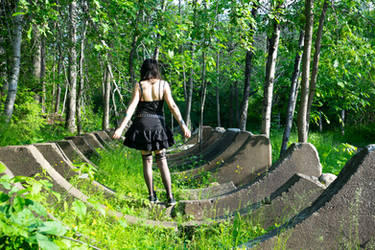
(148, 131)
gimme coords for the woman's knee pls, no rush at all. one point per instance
(160, 155)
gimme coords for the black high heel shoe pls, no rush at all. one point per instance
(153, 198)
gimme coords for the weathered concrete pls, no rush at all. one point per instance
(253, 158)
(103, 135)
(210, 152)
(299, 157)
(101, 140)
(28, 161)
(299, 192)
(209, 192)
(83, 146)
(207, 140)
(72, 152)
(326, 179)
(206, 131)
(93, 141)
(197, 149)
(342, 217)
(60, 162)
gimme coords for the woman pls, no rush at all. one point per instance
(148, 132)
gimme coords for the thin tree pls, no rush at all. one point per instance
(15, 70)
(160, 18)
(72, 103)
(292, 95)
(273, 44)
(302, 112)
(315, 66)
(203, 98)
(107, 96)
(246, 88)
(81, 70)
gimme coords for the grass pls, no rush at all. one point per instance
(334, 149)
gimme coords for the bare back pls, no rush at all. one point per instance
(151, 90)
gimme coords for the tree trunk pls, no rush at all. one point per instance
(320, 122)
(157, 47)
(292, 96)
(131, 59)
(71, 111)
(246, 87)
(81, 73)
(217, 90)
(107, 95)
(315, 66)
(37, 53)
(15, 70)
(237, 112)
(42, 73)
(203, 99)
(189, 99)
(231, 108)
(342, 122)
(270, 76)
(302, 112)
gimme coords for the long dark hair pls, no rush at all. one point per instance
(150, 70)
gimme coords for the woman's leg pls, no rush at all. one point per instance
(161, 161)
(147, 171)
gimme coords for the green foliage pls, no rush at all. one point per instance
(23, 219)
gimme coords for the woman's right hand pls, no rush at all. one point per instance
(117, 133)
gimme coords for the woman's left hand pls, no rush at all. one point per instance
(117, 133)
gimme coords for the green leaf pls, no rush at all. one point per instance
(53, 227)
(4, 197)
(46, 243)
(18, 13)
(80, 208)
(2, 168)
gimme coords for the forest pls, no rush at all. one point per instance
(230, 63)
(283, 68)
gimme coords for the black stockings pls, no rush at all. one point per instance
(147, 172)
(161, 161)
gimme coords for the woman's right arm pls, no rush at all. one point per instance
(175, 111)
(129, 113)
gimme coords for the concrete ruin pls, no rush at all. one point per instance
(299, 158)
(342, 217)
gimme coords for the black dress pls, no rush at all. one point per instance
(148, 131)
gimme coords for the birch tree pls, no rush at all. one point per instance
(302, 112)
(15, 70)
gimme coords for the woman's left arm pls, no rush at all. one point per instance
(129, 113)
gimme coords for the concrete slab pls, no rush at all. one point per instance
(252, 159)
(72, 152)
(28, 161)
(207, 139)
(60, 162)
(93, 141)
(103, 135)
(208, 153)
(263, 186)
(87, 149)
(342, 217)
(210, 192)
(195, 150)
(299, 192)
(102, 140)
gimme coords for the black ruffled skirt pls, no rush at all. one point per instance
(149, 134)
